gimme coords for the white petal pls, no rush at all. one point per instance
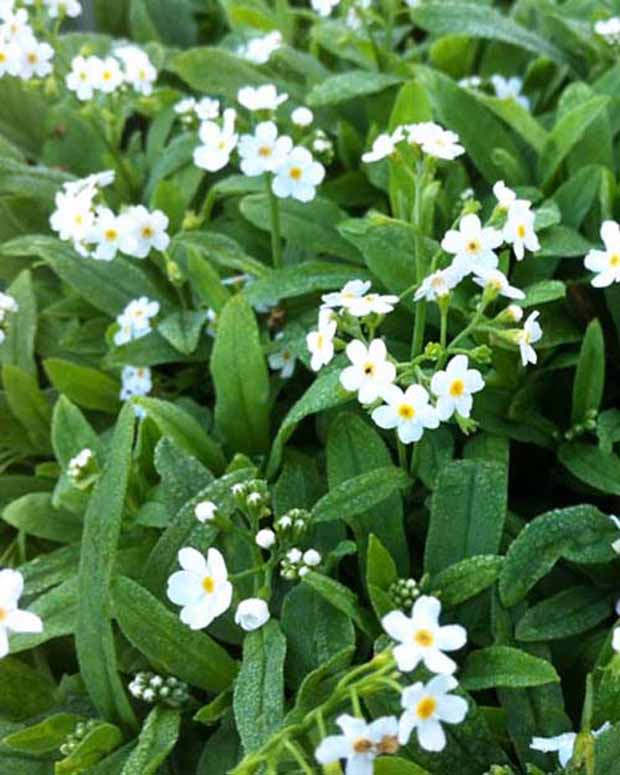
(451, 637)
(332, 749)
(431, 736)
(426, 609)
(407, 657)
(191, 560)
(4, 642)
(356, 352)
(451, 709)
(24, 621)
(398, 626)
(408, 722)
(385, 417)
(184, 588)
(216, 566)
(198, 615)
(410, 432)
(437, 662)
(377, 350)
(11, 586)
(351, 378)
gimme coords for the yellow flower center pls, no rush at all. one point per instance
(369, 369)
(388, 745)
(32, 58)
(2, 57)
(208, 584)
(457, 388)
(264, 151)
(107, 75)
(614, 259)
(295, 173)
(362, 745)
(148, 232)
(426, 707)
(521, 231)
(83, 76)
(406, 412)
(473, 246)
(79, 219)
(110, 235)
(424, 638)
(4, 614)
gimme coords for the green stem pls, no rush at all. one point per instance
(419, 326)
(402, 454)
(469, 328)
(297, 754)
(415, 461)
(276, 237)
(443, 337)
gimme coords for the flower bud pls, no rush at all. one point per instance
(205, 511)
(265, 538)
(252, 614)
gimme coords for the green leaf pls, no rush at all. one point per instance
(259, 689)
(71, 432)
(46, 737)
(394, 765)
(83, 385)
(182, 476)
(359, 494)
(18, 346)
(581, 534)
(25, 691)
(570, 612)
(380, 575)
(184, 430)
(35, 515)
(506, 667)
(608, 429)
(518, 118)
(347, 86)
(340, 597)
(590, 375)
(467, 578)
(467, 514)
(158, 20)
(183, 328)
(443, 17)
(166, 642)
(318, 685)
(241, 379)
(57, 608)
(592, 465)
(94, 638)
(28, 404)
(158, 737)
(543, 292)
(216, 71)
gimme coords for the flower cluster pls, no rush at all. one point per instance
(7, 305)
(154, 688)
(431, 138)
(128, 65)
(12, 619)
(296, 563)
(22, 54)
(96, 231)
(73, 739)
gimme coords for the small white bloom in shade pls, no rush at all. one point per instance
(609, 29)
(434, 140)
(264, 151)
(302, 116)
(82, 78)
(282, 360)
(146, 232)
(135, 320)
(437, 285)
(294, 555)
(264, 97)
(510, 89)
(11, 618)
(218, 142)
(514, 313)
(205, 511)
(320, 344)
(78, 463)
(422, 639)
(312, 558)
(16, 26)
(36, 59)
(606, 263)
(7, 304)
(73, 217)
(298, 176)
(615, 643)
(519, 229)
(260, 49)
(265, 538)
(383, 146)
(185, 106)
(136, 381)
(498, 282)
(324, 7)
(110, 233)
(427, 706)
(359, 744)
(56, 8)
(201, 588)
(370, 371)
(454, 388)
(252, 614)
(140, 72)
(107, 74)
(207, 109)
(350, 297)
(505, 196)
(470, 81)
(408, 412)
(473, 246)
(531, 333)
(373, 302)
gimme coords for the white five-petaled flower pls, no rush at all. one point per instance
(82, 78)
(260, 49)
(383, 146)
(426, 707)
(606, 263)
(437, 285)
(408, 412)
(283, 360)
(349, 298)
(146, 231)
(36, 59)
(252, 614)
(497, 282)
(563, 745)
(56, 8)
(422, 639)
(207, 109)
(321, 343)
(609, 29)
(510, 89)
(205, 511)
(201, 588)
(373, 302)
(531, 333)
(434, 140)
(108, 75)
(473, 246)
(140, 72)
(298, 176)
(11, 618)
(264, 151)
(359, 744)
(135, 320)
(136, 381)
(454, 388)
(218, 142)
(519, 229)
(264, 97)
(370, 371)
(110, 233)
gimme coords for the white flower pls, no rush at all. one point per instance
(81, 79)
(201, 588)
(136, 317)
(422, 639)
(349, 297)
(321, 344)
(437, 285)
(56, 8)
(146, 231)
(11, 618)
(260, 49)
(426, 707)
(78, 463)
(298, 176)
(35, 59)
(263, 151)
(9, 57)
(283, 360)
(471, 82)
(360, 743)
(294, 555)
(205, 511)
(531, 333)
(16, 27)
(615, 643)
(73, 217)
(383, 146)
(302, 116)
(519, 229)
(435, 140)
(185, 106)
(7, 304)
(563, 744)
(252, 614)
(140, 72)
(265, 538)
(324, 7)
(609, 29)
(373, 302)
(207, 109)
(473, 246)
(312, 558)
(110, 233)
(370, 372)
(108, 75)
(514, 313)
(137, 381)
(218, 142)
(505, 196)
(510, 89)
(264, 97)
(409, 412)
(606, 263)
(497, 281)
(454, 388)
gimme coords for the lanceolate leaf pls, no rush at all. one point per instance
(157, 738)
(590, 375)
(568, 613)
(506, 667)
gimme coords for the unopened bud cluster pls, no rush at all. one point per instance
(579, 429)
(323, 147)
(297, 563)
(76, 737)
(153, 688)
(82, 469)
(252, 497)
(404, 593)
(292, 525)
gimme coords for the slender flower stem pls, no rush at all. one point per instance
(402, 454)
(297, 754)
(443, 337)
(276, 237)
